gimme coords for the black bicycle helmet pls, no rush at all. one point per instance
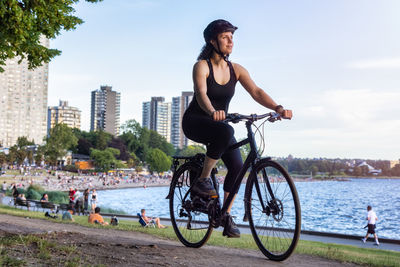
(216, 27)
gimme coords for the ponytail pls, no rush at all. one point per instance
(206, 52)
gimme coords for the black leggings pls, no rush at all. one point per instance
(217, 136)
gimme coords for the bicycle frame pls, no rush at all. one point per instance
(249, 162)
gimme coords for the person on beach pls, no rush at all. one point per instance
(45, 198)
(67, 215)
(71, 194)
(4, 188)
(156, 221)
(14, 191)
(96, 217)
(371, 218)
(94, 199)
(78, 202)
(86, 200)
(214, 78)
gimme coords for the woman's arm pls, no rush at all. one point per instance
(200, 73)
(257, 93)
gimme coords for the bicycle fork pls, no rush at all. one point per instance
(273, 205)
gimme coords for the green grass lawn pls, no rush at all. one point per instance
(342, 253)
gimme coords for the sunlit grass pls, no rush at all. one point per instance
(342, 253)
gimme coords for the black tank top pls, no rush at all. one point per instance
(220, 95)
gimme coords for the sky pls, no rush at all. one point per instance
(336, 64)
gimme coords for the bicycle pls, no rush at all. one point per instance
(271, 201)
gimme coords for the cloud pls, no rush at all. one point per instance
(347, 123)
(385, 63)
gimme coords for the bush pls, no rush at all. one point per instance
(70, 168)
(36, 187)
(33, 194)
(111, 211)
(58, 197)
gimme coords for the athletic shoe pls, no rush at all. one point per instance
(363, 240)
(230, 228)
(376, 243)
(204, 188)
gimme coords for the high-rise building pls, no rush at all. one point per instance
(156, 115)
(23, 101)
(63, 113)
(179, 105)
(105, 110)
(186, 98)
(176, 119)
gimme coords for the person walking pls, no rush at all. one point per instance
(86, 200)
(371, 217)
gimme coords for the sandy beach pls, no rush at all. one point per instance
(62, 181)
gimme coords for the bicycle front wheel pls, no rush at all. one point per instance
(188, 216)
(273, 209)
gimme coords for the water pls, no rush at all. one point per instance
(331, 206)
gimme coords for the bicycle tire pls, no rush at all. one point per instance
(192, 228)
(276, 227)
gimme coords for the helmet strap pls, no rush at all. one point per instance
(218, 51)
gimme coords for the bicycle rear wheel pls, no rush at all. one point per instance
(188, 216)
(273, 209)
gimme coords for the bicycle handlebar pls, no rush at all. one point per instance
(236, 117)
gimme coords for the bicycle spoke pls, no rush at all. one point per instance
(192, 227)
(275, 229)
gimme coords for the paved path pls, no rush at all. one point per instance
(315, 236)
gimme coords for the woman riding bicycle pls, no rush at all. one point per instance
(214, 78)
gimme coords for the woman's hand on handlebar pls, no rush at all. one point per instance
(218, 115)
(286, 114)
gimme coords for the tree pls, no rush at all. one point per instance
(136, 138)
(102, 139)
(191, 151)
(357, 171)
(39, 155)
(133, 160)
(158, 141)
(23, 22)
(395, 171)
(314, 169)
(29, 156)
(158, 161)
(3, 158)
(20, 156)
(11, 156)
(60, 140)
(104, 160)
(23, 142)
(119, 144)
(133, 127)
(84, 146)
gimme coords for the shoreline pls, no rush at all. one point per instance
(53, 183)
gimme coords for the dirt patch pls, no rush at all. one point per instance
(75, 245)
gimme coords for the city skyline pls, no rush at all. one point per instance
(334, 63)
